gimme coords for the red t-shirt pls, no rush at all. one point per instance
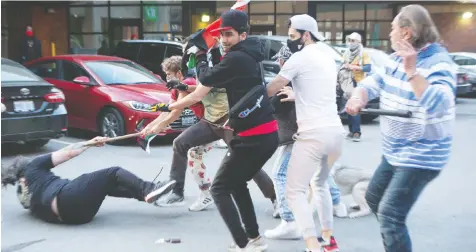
(197, 108)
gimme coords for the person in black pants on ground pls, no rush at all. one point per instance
(255, 136)
(58, 200)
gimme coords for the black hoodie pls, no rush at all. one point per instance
(238, 72)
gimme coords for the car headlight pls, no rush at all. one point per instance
(139, 106)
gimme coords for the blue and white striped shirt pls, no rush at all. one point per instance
(425, 140)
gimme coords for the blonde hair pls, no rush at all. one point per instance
(172, 64)
(419, 20)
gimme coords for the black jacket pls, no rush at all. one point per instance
(239, 72)
(285, 113)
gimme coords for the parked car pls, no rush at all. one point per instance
(148, 53)
(109, 95)
(34, 110)
(467, 65)
(272, 45)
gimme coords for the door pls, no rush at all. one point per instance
(79, 98)
(266, 30)
(124, 29)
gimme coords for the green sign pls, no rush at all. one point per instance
(151, 13)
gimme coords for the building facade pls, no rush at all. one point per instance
(86, 26)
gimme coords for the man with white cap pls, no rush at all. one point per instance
(320, 135)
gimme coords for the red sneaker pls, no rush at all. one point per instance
(328, 246)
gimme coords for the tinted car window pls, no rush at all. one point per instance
(173, 50)
(274, 48)
(127, 50)
(152, 53)
(12, 73)
(72, 71)
(45, 69)
(120, 72)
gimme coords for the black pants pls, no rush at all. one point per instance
(244, 160)
(80, 200)
(199, 134)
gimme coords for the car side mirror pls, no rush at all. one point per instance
(82, 80)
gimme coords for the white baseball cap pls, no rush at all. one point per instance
(355, 36)
(306, 23)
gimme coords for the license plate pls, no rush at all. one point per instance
(23, 106)
(188, 120)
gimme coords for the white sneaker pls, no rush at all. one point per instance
(285, 231)
(340, 210)
(220, 144)
(203, 201)
(255, 245)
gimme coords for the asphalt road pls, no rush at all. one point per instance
(444, 219)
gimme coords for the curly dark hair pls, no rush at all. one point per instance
(11, 173)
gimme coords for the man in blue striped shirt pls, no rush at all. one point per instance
(421, 78)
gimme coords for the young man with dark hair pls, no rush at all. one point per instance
(255, 137)
(76, 201)
(195, 141)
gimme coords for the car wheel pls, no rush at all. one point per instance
(37, 143)
(111, 124)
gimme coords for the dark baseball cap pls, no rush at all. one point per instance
(233, 19)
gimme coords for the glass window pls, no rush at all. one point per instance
(125, 11)
(44, 70)
(379, 12)
(88, 19)
(88, 43)
(223, 6)
(173, 51)
(274, 48)
(88, 3)
(330, 30)
(127, 50)
(120, 73)
(123, 2)
(378, 30)
(162, 18)
(162, 36)
(151, 56)
(72, 71)
(354, 12)
(383, 45)
(261, 7)
(354, 25)
(291, 7)
(11, 73)
(330, 12)
(282, 24)
(262, 19)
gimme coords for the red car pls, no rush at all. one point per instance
(109, 95)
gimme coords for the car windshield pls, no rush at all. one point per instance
(121, 73)
(12, 73)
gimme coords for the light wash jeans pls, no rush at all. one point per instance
(280, 169)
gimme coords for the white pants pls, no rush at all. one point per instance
(314, 153)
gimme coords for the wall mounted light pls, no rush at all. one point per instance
(467, 15)
(205, 18)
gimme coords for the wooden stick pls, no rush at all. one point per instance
(116, 138)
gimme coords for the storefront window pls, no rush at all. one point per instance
(87, 43)
(379, 12)
(354, 25)
(162, 36)
(297, 7)
(354, 12)
(378, 30)
(223, 6)
(383, 45)
(282, 24)
(329, 12)
(330, 30)
(261, 7)
(125, 12)
(88, 19)
(89, 3)
(262, 19)
(162, 18)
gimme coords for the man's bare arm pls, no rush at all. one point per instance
(194, 97)
(73, 150)
(276, 85)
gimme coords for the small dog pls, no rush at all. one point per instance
(355, 181)
(351, 180)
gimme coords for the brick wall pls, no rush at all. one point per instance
(457, 34)
(51, 28)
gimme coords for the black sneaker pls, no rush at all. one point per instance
(172, 200)
(159, 190)
(356, 137)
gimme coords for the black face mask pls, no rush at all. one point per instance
(295, 45)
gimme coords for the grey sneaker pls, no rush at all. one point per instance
(356, 137)
(159, 190)
(350, 135)
(254, 245)
(275, 210)
(172, 200)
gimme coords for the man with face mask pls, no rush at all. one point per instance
(31, 47)
(255, 136)
(356, 64)
(320, 134)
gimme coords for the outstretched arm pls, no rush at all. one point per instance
(73, 150)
